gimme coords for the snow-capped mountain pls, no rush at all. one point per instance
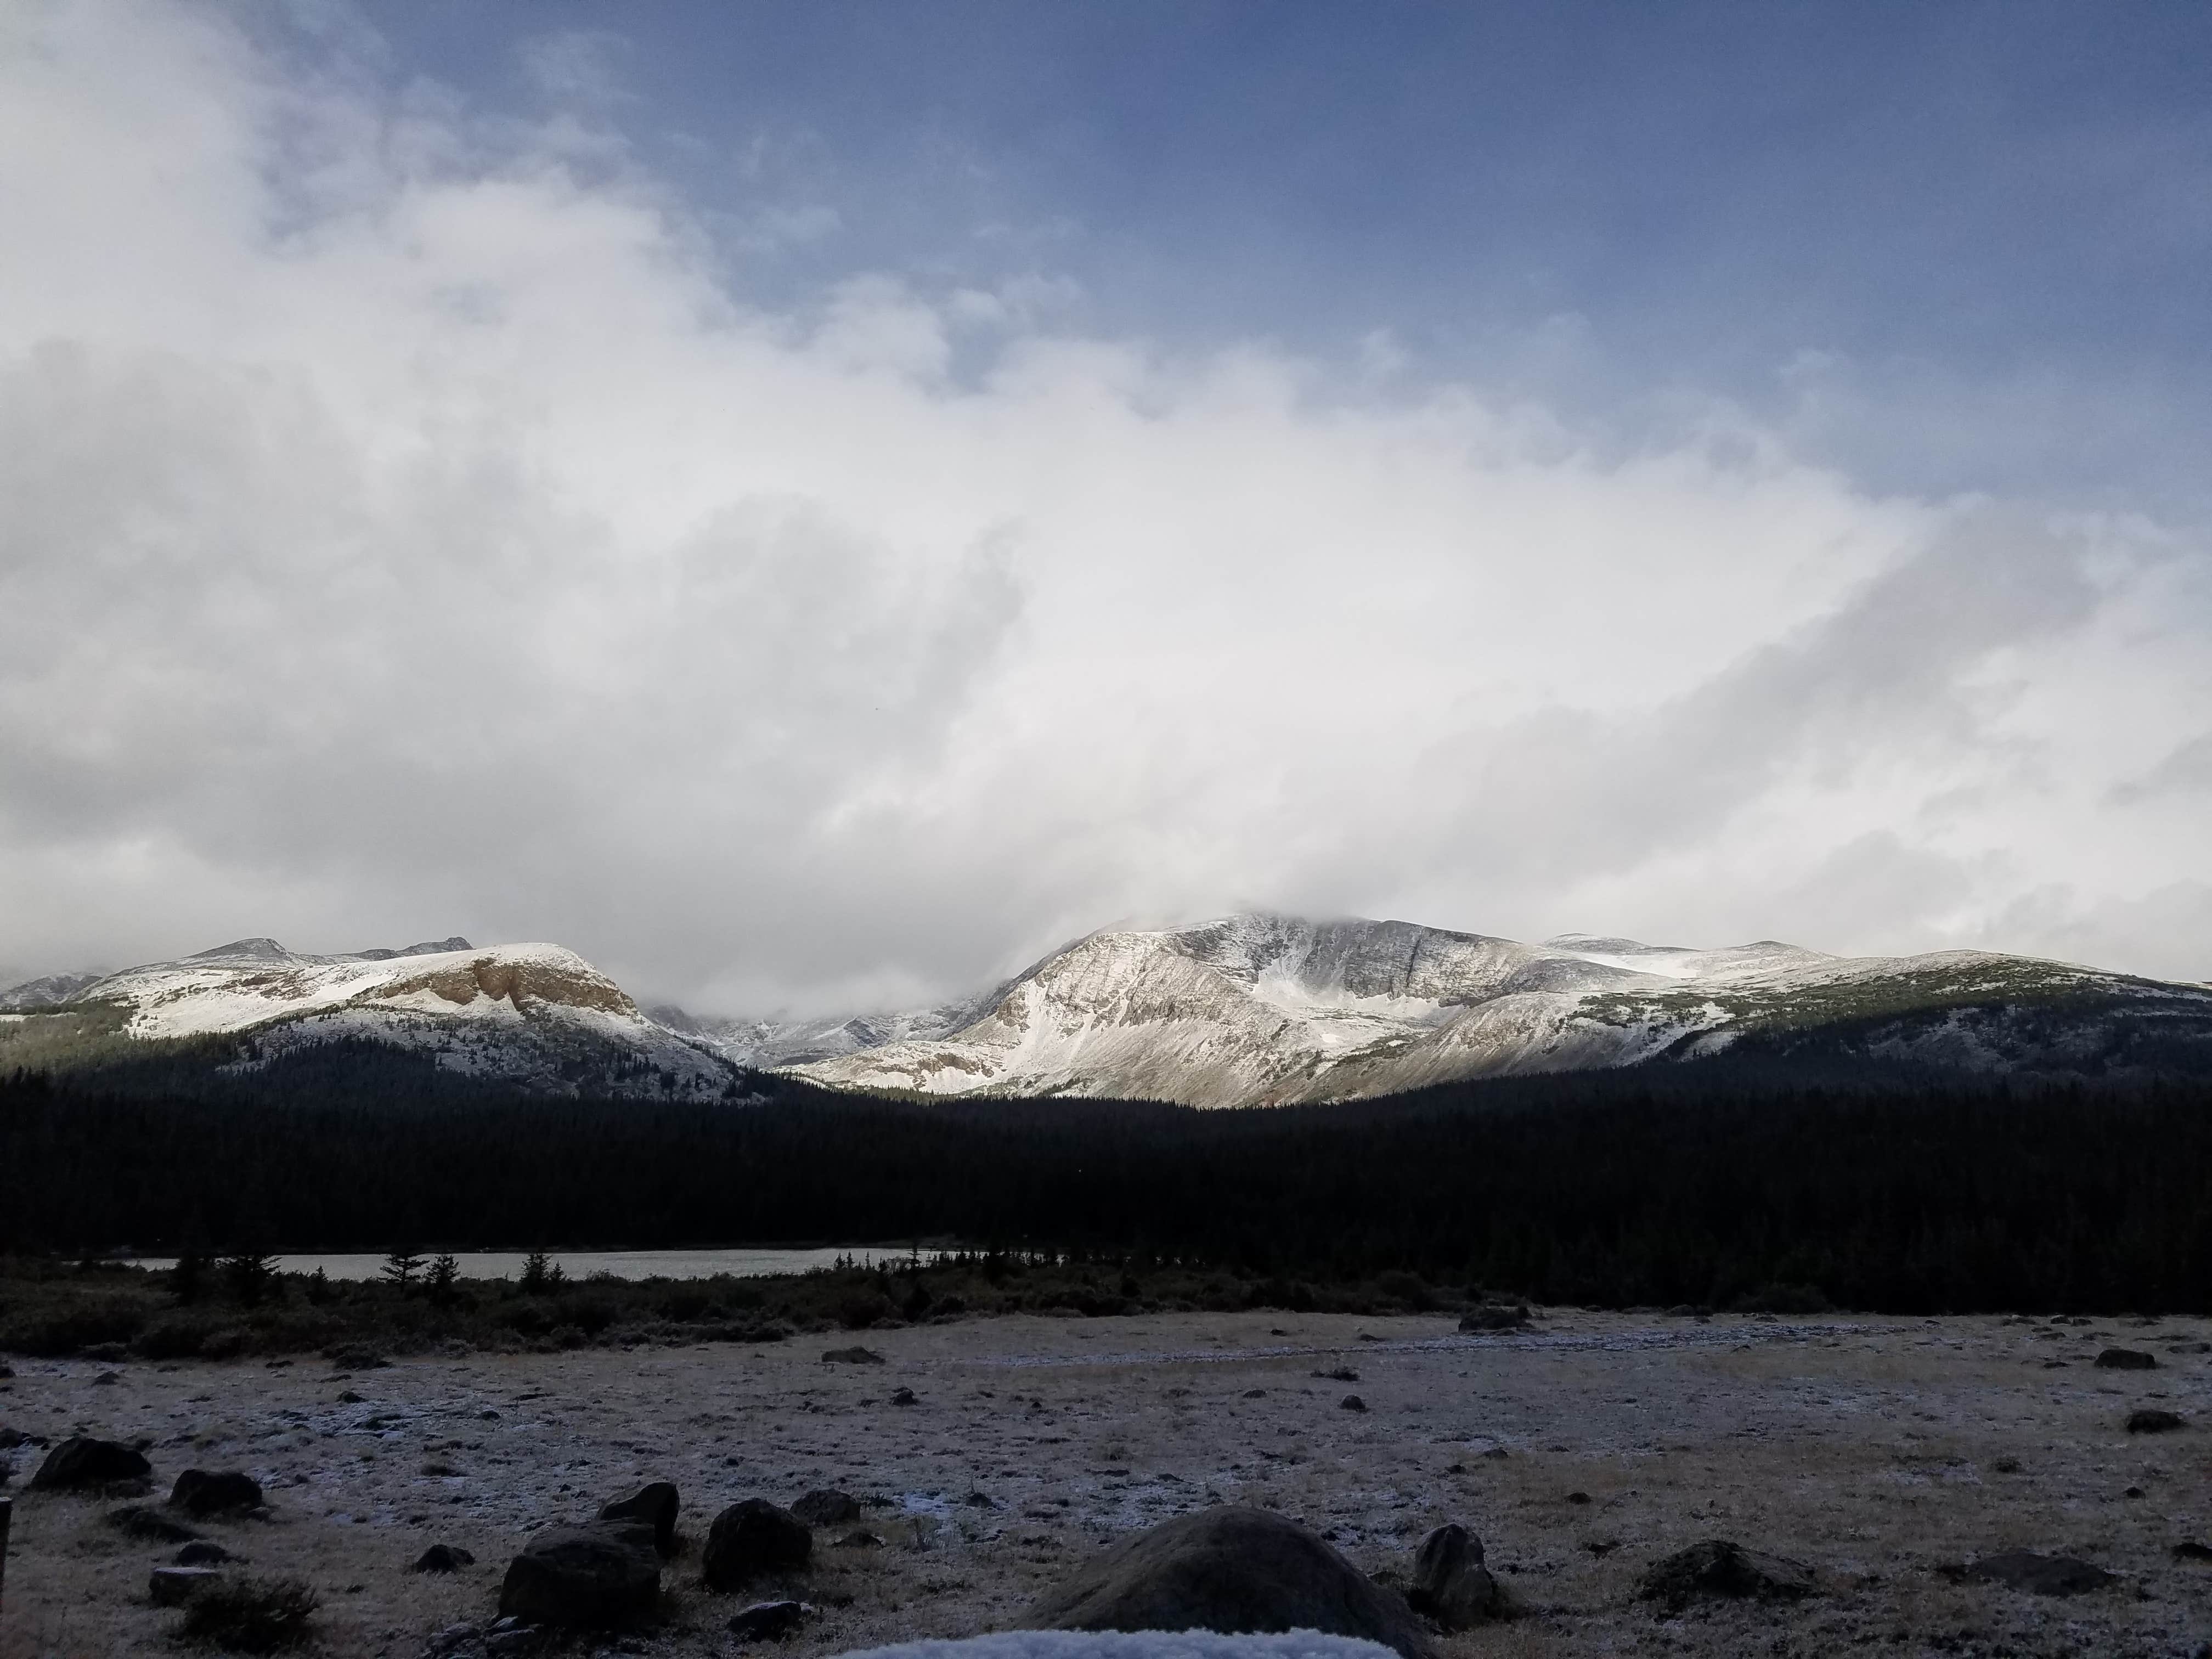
(534, 1017)
(1255, 1010)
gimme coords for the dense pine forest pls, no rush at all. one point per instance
(1610, 1190)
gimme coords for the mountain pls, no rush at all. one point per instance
(1258, 1010)
(536, 1018)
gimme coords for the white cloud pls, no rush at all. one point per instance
(407, 525)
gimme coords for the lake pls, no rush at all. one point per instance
(621, 1264)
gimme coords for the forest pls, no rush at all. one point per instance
(1610, 1190)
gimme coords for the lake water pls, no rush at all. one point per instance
(622, 1264)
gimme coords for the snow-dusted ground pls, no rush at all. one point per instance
(1875, 1449)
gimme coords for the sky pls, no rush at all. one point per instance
(813, 506)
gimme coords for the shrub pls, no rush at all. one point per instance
(1407, 1288)
(249, 1615)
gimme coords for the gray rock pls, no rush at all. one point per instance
(1353, 1403)
(2151, 1421)
(202, 1553)
(751, 1539)
(1718, 1568)
(1450, 1583)
(654, 1505)
(827, 1507)
(594, 1577)
(1231, 1568)
(2126, 1360)
(768, 1621)
(443, 1558)
(2039, 1574)
(2190, 1550)
(197, 1491)
(172, 1587)
(82, 1460)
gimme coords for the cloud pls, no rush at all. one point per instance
(413, 524)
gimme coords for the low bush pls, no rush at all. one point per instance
(250, 1615)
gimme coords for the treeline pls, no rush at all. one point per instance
(1613, 1190)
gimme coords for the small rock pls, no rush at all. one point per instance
(2126, 1360)
(1341, 1374)
(197, 1491)
(827, 1507)
(860, 1540)
(2133, 1491)
(582, 1576)
(1578, 1497)
(1719, 1568)
(149, 1524)
(105, 1380)
(2039, 1574)
(750, 1539)
(903, 1397)
(350, 1398)
(2006, 1465)
(443, 1558)
(202, 1553)
(1353, 1403)
(1450, 1583)
(655, 1506)
(980, 1500)
(2190, 1550)
(853, 1356)
(1255, 1393)
(768, 1621)
(1497, 1451)
(172, 1587)
(2151, 1421)
(82, 1460)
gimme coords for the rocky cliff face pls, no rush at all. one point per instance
(1255, 1010)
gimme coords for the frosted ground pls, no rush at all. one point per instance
(1878, 1450)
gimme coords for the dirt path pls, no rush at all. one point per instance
(1877, 1450)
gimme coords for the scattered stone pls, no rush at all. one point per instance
(1353, 1403)
(443, 1558)
(2039, 1574)
(197, 1491)
(583, 1576)
(1255, 1393)
(105, 1380)
(1450, 1583)
(861, 1538)
(750, 1539)
(2151, 1421)
(827, 1507)
(854, 1356)
(1601, 1547)
(1578, 1497)
(2190, 1550)
(1719, 1568)
(2133, 1491)
(2006, 1465)
(82, 1460)
(768, 1621)
(654, 1505)
(172, 1587)
(982, 1500)
(202, 1553)
(1495, 1318)
(903, 1397)
(2190, 1347)
(1231, 1568)
(2126, 1360)
(152, 1525)
(350, 1398)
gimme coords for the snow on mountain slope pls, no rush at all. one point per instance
(1254, 1010)
(535, 1016)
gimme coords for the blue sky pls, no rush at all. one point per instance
(813, 506)
(1997, 214)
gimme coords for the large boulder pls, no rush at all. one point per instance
(751, 1539)
(1450, 1583)
(199, 1491)
(82, 1460)
(653, 1506)
(595, 1576)
(2151, 1421)
(1235, 1570)
(1717, 1567)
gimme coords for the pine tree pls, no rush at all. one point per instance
(401, 1267)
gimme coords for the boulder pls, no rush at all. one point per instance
(201, 1552)
(1718, 1568)
(902, 1397)
(2190, 1550)
(2151, 1421)
(2039, 1574)
(2126, 1360)
(151, 1525)
(199, 1491)
(827, 1507)
(768, 1621)
(594, 1577)
(1450, 1583)
(1235, 1570)
(1353, 1403)
(653, 1506)
(750, 1539)
(172, 1587)
(81, 1460)
(443, 1558)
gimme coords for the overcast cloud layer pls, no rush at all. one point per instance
(411, 521)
